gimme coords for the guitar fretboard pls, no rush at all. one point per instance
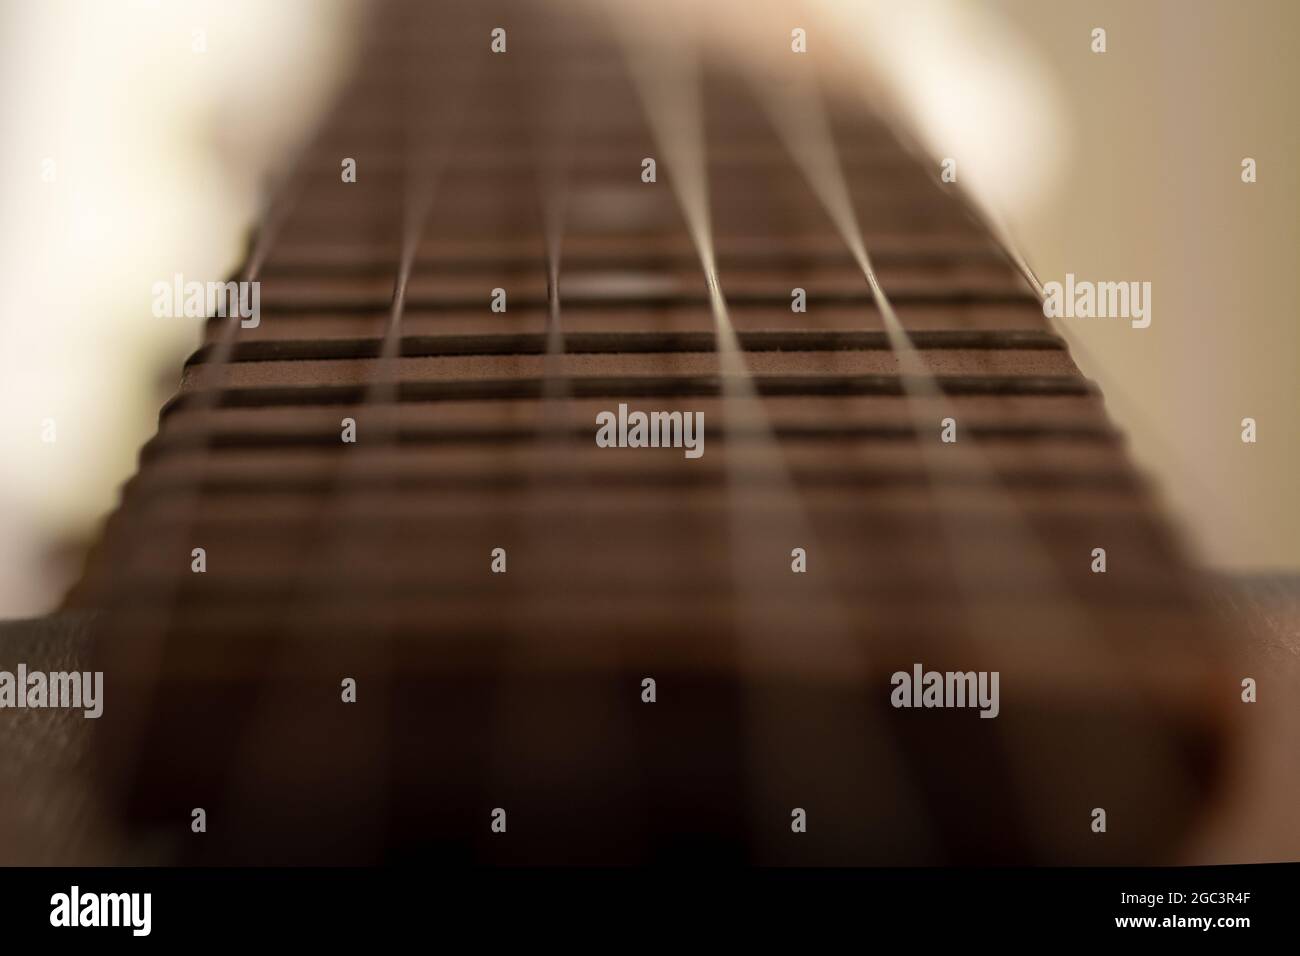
(395, 479)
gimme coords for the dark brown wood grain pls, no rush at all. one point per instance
(476, 431)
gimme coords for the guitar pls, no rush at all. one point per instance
(379, 592)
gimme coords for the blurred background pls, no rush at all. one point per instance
(139, 137)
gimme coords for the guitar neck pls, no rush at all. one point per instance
(510, 436)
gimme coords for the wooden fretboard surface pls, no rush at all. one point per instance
(523, 691)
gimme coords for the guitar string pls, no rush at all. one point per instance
(137, 633)
(800, 117)
(325, 573)
(769, 610)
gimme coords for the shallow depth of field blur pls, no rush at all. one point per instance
(137, 136)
